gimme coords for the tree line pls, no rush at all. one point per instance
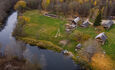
(82, 8)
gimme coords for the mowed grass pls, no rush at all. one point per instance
(41, 27)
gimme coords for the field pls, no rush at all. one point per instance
(45, 28)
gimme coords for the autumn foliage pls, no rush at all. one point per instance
(102, 62)
(20, 5)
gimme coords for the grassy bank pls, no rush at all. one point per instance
(42, 44)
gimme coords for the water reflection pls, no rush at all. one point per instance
(48, 60)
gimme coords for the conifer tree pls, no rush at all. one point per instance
(98, 19)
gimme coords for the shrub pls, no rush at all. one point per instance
(79, 36)
(102, 62)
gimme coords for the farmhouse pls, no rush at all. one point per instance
(101, 38)
(108, 24)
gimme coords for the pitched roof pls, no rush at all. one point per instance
(85, 23)
(76, 20)
(108, 24)
(101, 36)
(79, 46)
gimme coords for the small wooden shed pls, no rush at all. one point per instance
(85, 24)
(76, 20)
(108, 24)
(101, 38)
(78, 46)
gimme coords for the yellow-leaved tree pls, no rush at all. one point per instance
(20, 6)
(45, 3)
(95, 3)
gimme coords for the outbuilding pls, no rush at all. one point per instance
(108, 24)
(76, 20)
(101, 38)
(85, 24)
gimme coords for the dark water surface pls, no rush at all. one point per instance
(48, 59)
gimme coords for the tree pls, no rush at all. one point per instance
(98, 19)
(20, 5)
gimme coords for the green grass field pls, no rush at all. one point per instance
(45, 28)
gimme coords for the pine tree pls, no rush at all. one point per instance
(98, 19)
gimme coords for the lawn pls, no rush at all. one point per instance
(41, 27)
(45, 28)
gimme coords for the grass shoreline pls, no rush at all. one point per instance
(41, 44)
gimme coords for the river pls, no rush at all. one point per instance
(48, 59)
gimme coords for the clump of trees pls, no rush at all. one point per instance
(19, 29)
(73, 7)
(20, 6)
(5, 7)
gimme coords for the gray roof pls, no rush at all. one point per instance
(79, 46)
(85, 24)
(76, 20)
(102, 36)
(108, 24)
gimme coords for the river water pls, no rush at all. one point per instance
(48, 59)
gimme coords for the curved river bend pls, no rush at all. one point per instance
(48, 59)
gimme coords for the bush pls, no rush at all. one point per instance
(79, 36)
(102, 62)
